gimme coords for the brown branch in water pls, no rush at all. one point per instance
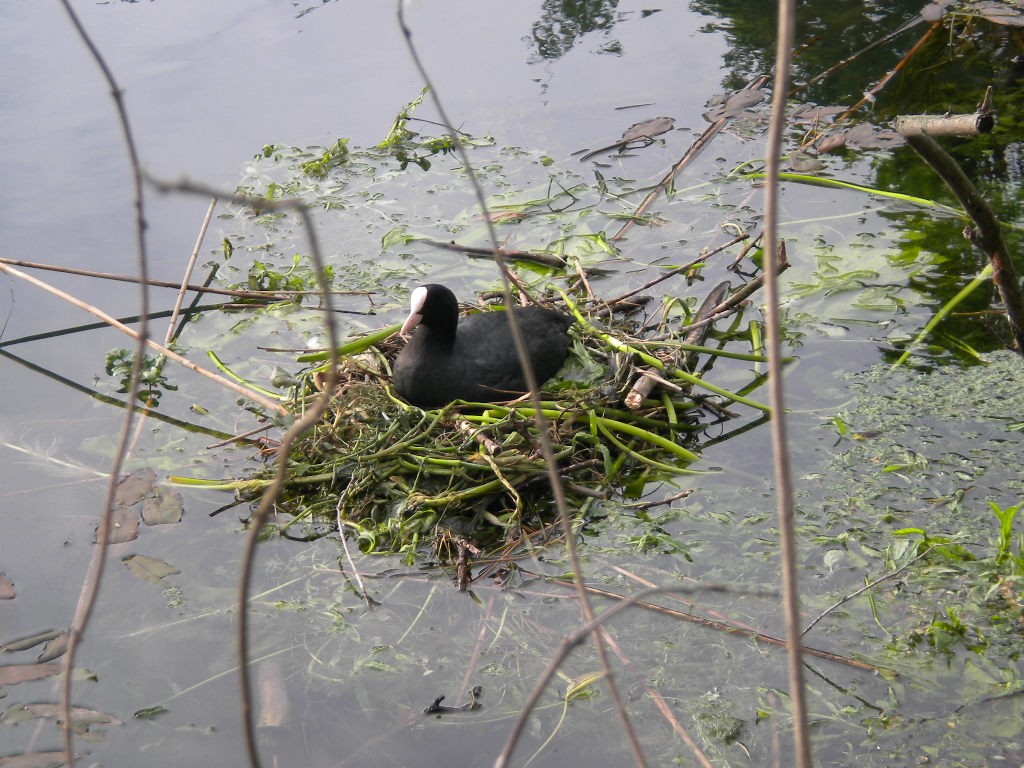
(478, 434)
(183, 289)
(666, 500)
(482, 635)
(171, 284)
(659, 703)
(742, 294)
(544, 259)
(884, 80)
(172, 325)
(571, 641)
(853, 56)
(113, 323)
(97, 563)
(696, 334)
(581, 273)
(360, 587)
(985, 234)
(273, 492)
(679, 270)
(945, 125)
(722, 626)
(749, 246)
(93, 326)
(695, 149)
(247, 435)
(188, 426)
(865, 588)
(309, 418)
(706, 316)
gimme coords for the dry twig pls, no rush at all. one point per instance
(780, 446)
(554, 477)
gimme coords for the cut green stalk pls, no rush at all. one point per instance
(647, 437)
(756, 342)
(655, 362)
(946, 308)
(640, 457)
(754, 358)
(353, 347)
(231, 374)
(817, 181)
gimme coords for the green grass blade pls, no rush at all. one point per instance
(946, 308)
(355, 346)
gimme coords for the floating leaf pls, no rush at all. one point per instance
(643, 132)
(282, 378)
(808, 113)
(398, 236)
(649, 128)
(133, 487)
(33, 760)
(868, 136)
(831, 142)
(24, 643)
(1000, 13)
(833, 558)
(581, 685)
(81, 718)
(801, 162)
(163, 507)
(56, 648)
(150, 713)
(733, 105)
(124, 526)
(22, 673)
(148, 568)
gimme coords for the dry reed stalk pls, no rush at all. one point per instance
(159, 348)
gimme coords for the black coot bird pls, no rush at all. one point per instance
(476, 359)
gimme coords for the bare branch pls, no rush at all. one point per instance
(114, 323)
(87, 599)
(783, 480)
(554, 477)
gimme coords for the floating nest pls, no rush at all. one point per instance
(630, 407)
(398, 477)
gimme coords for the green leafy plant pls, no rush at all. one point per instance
(335, 155)
(1005, 554)
(299, 277)
(151, 377)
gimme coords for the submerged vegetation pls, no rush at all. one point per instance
(464, 484)
(632, 407)
(912, 553)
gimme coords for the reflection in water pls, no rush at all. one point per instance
(562, 22)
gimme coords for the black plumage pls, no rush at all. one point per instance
(474, 359)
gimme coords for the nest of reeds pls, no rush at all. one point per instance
(623, 412)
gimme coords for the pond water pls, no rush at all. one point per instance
(888, 464)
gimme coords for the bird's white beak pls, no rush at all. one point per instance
(410, 322)
(416, 300)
